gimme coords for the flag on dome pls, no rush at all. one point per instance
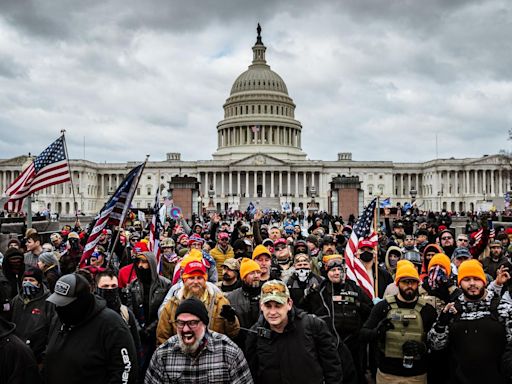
(49, 168)
(355, 268)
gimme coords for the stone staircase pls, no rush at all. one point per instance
(261, 203)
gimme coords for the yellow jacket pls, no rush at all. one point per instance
(220, 257)
(213, 302)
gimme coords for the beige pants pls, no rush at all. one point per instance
(385, 378)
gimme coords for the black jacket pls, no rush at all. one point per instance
(147, 312)
(17, 362)
(98, 350)
(33, 319)
(304, 353)
(343, 323)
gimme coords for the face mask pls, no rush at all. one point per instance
(393, 262)
(144, 275)
(30, 289)
(75, 312)
(366, 256)
(302, 274)
(111, 296)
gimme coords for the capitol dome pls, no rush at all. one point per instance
(259, 115)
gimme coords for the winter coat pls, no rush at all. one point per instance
(220, 256)
(134, 296)
(17, 362)
(33, 318)
(214, 300)
(305, 353)
(98, 350)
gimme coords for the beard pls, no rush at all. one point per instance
(474, 296)
(409, 293)
(190, 349)
(197, 293)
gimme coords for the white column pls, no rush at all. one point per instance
(272, 190)
(296, 184)
(4, 181)
(247, 194)
(222, 184)
(313, 178)
(215, 182)
(288, 183)
(491, 180)
(467, 182)
(304, 184)
(456, 187)
(263, 142)
(280, 183)
(230, 186)
(500, 181)
(264, 184)
(255, 174)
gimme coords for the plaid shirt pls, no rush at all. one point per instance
(221, 361)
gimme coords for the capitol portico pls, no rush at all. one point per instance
(259, 158)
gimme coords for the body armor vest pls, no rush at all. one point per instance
(408, 326)
(346, 311)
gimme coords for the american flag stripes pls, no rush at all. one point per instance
(49, 168)
(114, 210)
(355, 268)
(154, 229)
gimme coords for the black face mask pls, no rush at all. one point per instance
(144, 275)
(76, 312)
(366, 256)
(227, 277)
(111, 296)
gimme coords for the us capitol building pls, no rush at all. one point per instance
(259, 159)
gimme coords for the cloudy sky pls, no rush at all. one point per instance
(376, 78)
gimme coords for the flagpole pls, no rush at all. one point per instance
(63, 131)
(123, 216)
(375, 223)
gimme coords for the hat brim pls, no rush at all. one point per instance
(60, 300)
(276, 298)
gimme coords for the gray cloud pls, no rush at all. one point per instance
(377, 78)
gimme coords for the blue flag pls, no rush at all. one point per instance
(385, 203)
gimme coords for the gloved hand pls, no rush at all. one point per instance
(414, 348)
(228, 312)
(384, 326)
(446, 315)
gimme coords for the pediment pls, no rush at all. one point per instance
(492, 160)
(258, 159)
(17, 161)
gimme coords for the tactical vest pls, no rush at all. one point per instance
(346, 309)
(408, 326)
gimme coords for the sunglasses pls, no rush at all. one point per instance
(192, 324)
(334, 263)
(279, 247)
(447, 238)
(464, 240)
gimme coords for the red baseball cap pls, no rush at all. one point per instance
(140, 247)
(365, 243)
(223, 235)
(194, 268)
(279, 241)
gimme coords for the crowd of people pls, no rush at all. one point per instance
(263, 299)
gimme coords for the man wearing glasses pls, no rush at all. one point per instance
(196, 354)
(447, 242)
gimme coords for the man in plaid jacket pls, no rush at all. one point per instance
(196, 354)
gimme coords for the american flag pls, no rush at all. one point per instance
(355, 268)
(114, 211)
(154, 229)
(49, 168)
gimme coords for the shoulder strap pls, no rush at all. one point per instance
(420, 304)
(391, 300)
